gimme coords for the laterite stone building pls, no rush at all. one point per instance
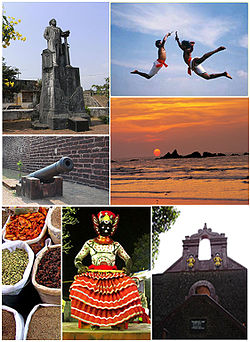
(201, 299)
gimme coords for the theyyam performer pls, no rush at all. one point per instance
(101, 295)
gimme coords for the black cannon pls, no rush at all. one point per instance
(65, 164)
(45, 182)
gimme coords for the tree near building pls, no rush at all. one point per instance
(163, 218)
(9, 75)
(102, 89)
(69, 218)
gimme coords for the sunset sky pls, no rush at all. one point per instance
(136, 26)
(140, 125)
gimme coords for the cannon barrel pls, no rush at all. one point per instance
(46, 174)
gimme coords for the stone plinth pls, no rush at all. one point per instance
(33, 188)
(61, 95)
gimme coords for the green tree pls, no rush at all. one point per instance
(163, 218)
(68, 218)
(102, 89)
(9, 75)
(141, 254)
(9, 30)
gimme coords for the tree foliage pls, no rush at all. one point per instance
(141, 254)
(163, 218)
(68, 218)
(9, 75)
(102, 89)
(9, 30)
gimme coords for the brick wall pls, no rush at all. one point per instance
(90, 156)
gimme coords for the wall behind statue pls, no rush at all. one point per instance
(90, 156)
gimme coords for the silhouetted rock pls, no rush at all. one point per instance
(195, 154)
(172, 155)
(208, 154)
(246, 154)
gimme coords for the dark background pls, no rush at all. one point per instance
(133, 223)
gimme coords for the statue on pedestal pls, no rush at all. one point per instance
(101, 295)
(61, 102)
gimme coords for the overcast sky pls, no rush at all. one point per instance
(89, 37)
(136, 27)
(229, 219)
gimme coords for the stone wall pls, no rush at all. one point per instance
(90, 156)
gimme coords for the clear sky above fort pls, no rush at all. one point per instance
(136, 27)
(89, 37)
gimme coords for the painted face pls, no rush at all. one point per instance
(105, 228)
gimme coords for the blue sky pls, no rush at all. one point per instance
(135, 27)
(89, 37)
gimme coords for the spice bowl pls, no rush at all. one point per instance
(46, 274)
(55, 224)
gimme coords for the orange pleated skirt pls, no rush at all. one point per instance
(104, 298)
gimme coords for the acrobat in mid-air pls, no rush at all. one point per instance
(159, 62)
(194, 64)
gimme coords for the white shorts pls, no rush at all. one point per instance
(154, 69)
(198, 69)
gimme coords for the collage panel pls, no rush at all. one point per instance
(31, 273)
(52, 85)
(106, 273)
(58, 170)
(180, 151)
(199, 281)
(179, 49)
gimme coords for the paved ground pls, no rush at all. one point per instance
(24, 127)
(73, 194)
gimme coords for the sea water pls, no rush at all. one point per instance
(219, 180)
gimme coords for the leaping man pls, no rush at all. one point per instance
(194, 64)
(159, 62)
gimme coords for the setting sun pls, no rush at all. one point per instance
(157, 152)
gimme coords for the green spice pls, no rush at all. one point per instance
(13, 265)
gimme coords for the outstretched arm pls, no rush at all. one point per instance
(165, 38)
(178, 41)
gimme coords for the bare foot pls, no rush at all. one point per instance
(227, 75)
(134, 72)
(221, 48)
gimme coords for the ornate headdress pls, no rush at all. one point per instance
(107, 217)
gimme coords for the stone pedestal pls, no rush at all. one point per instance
(33, 188)
(61, 95)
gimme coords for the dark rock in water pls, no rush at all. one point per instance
(113, 161)
(208, 154)
(234, 154)
(172, 155)
(133, 159)
(246, 154)
(195, 154)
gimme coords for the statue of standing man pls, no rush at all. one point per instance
(53, 36)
